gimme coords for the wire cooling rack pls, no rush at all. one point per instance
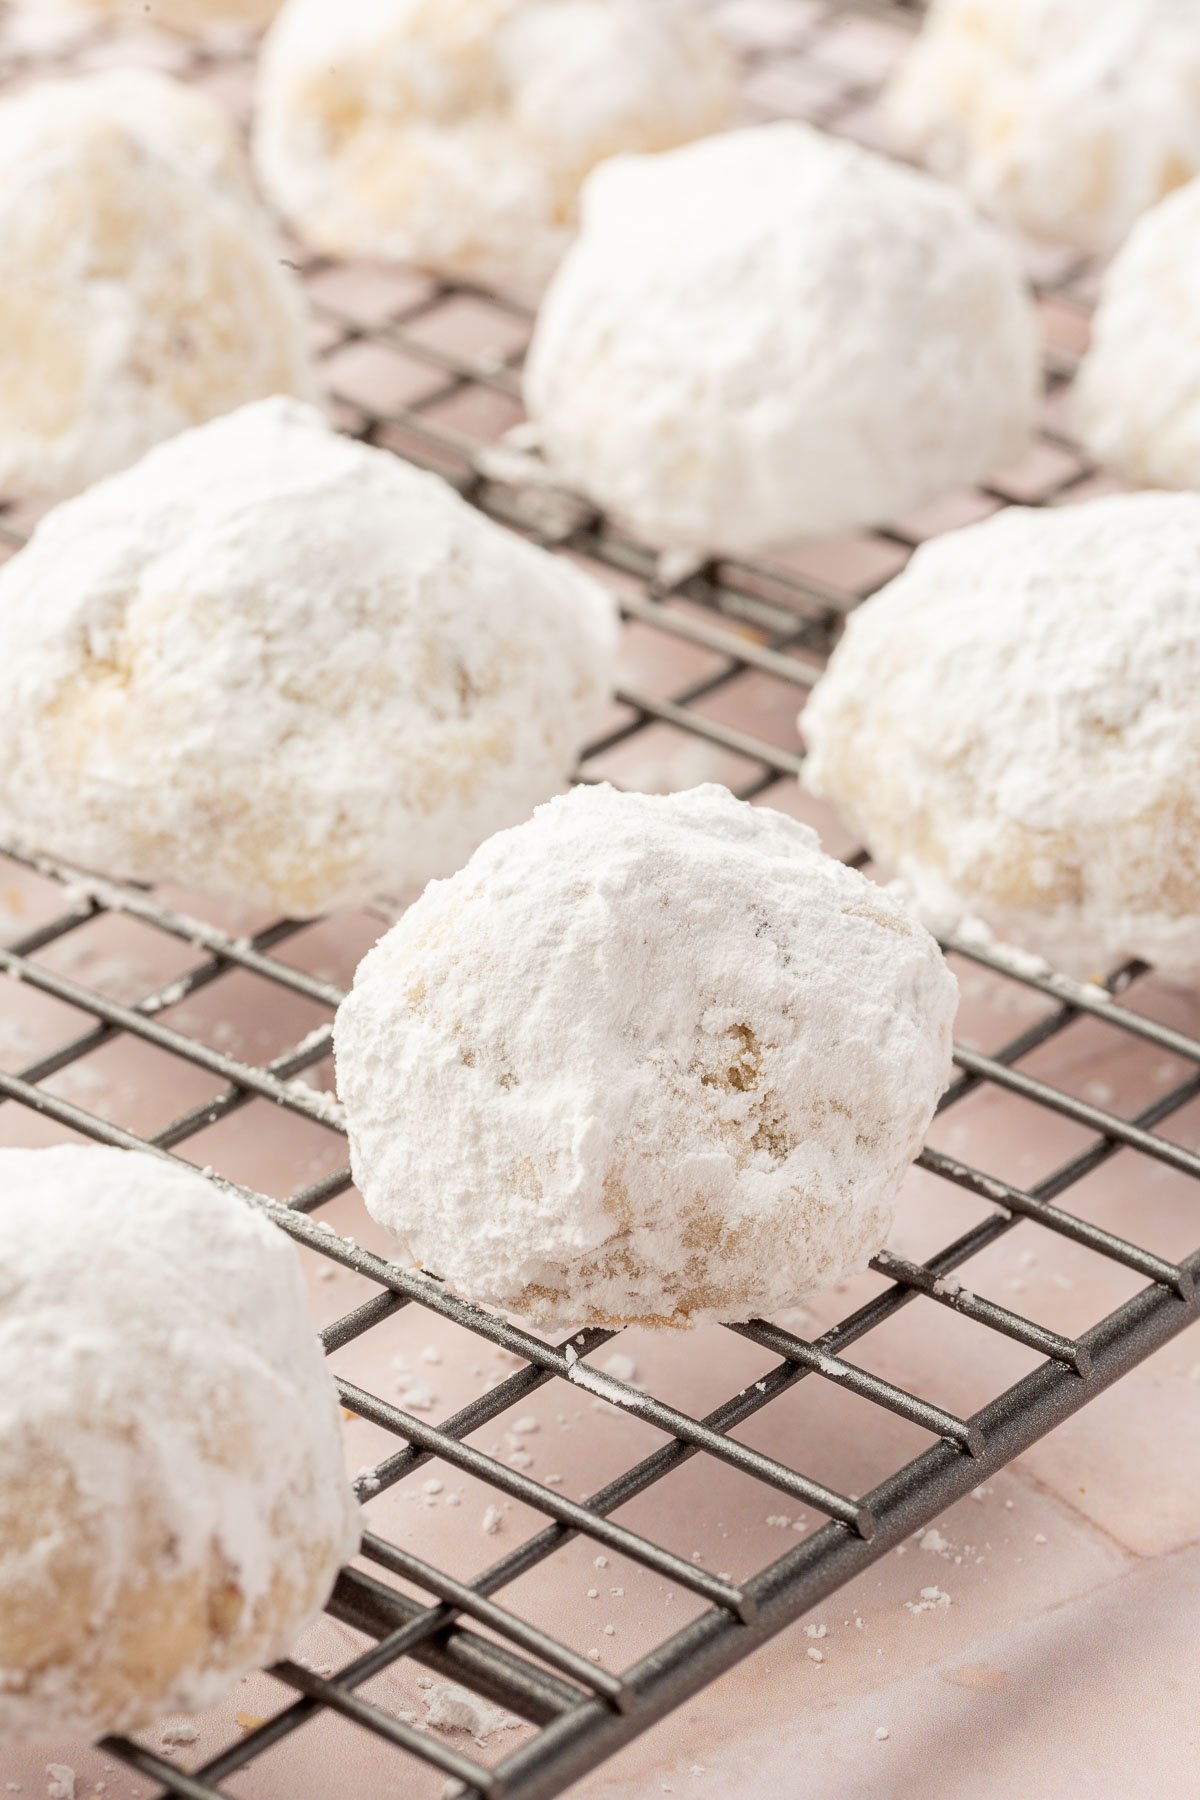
(400, 381)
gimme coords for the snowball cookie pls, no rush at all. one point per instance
(644, 1060)
(173, 1505)
(774, 334)
(1137, 394)
(1066, 117)
(195, 18)
(141, 289)
(456, 133)
(278, 665)
(1012, 727)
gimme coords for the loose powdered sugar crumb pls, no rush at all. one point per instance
(452, 1708)
(932, 1599)
(174, 1735)
(584, 1376)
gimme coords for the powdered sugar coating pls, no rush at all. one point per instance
(1012, 727)
(773, 333)
(645, 1058)
(193, 18)
(456, 133)
(1065, 117)
(1137, 394)
(173, 1505)
(141, 288)
(273, 663)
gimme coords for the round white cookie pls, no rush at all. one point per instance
(456, 133)
(193, 18)
(644, 1060)
(273, 663)
(1137, 394)
(773, 334)
(1068, 118)
(173, 1504)
(1012, 727)
(141, 289)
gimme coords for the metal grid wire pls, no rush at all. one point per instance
(771, 622)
